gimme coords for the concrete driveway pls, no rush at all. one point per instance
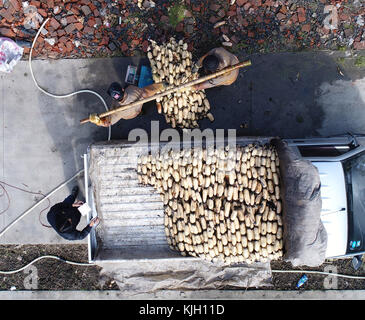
(291, 95)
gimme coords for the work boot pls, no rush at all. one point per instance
(75, 191)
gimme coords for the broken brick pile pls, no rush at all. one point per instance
(88, 28)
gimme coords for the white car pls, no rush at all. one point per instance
(341, 165)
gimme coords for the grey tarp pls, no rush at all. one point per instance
(148, 276)
(305, 238)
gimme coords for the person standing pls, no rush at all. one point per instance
(216, 60)
(126, 96)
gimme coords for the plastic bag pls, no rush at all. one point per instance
(10, 54)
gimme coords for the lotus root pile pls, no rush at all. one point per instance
(220, 204)
(172, 63)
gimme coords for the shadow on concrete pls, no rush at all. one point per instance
(276, 96)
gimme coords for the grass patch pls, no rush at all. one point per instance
(176, 14)
(360, 62)
(341, 48)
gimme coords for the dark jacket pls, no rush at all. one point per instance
(58, 218)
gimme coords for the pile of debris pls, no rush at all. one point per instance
(90, 28)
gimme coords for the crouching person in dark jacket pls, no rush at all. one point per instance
(64, 218)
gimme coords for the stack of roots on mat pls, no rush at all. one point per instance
(220, 203)
(172, 63)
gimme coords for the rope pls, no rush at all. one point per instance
(46, 257)
(2, 183)
(39, 202)
(320, 272)
(59, 96)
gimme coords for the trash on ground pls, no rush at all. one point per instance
(302, 280)
(10, 54)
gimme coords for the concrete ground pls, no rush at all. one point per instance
(291, 95)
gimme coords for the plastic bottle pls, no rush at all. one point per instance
(302, 280)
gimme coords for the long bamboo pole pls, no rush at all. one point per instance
(172, 90)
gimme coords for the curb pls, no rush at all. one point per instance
(186, 295)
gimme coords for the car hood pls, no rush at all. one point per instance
(334, 206)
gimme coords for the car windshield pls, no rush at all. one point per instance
(354, 169)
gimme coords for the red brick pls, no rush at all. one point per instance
(145, 46)
(256, 3)
(75, 10)
(92, 6)
(213, 19)
(61, 47)
(283, 10)
(135, 42)
(63, 39)
(91, 22)
(163, 19)
(301, 15)
(50, 3)
(344, 16)
(86, 10)
(54, 23)
(16, 4)
(7, 14)
(43, 13)
(214, 7)
(124, 47)
(35, 3)
(280, 16)
(71, 19)
(359, 45)
(231, 13)
(241, 2)
(6, 32)
(61, 32)
(306, 28)
(89, 30)
(294, 18)
(196, 8)
(79, 26)
(104, 41)
(71, 27)
(69, 46)
(179, 27)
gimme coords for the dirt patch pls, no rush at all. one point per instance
(51, 274)
(57, 275)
